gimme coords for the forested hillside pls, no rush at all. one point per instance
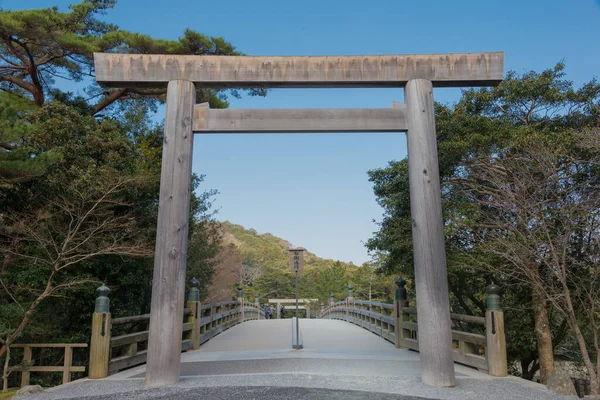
(266, 249)
(260, 263)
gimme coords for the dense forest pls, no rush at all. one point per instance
(80, 174)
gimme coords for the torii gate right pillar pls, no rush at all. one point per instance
(435, 335)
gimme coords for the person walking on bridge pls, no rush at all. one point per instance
(282, 312)
(268, 311)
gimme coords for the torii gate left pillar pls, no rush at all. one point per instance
(170, 256)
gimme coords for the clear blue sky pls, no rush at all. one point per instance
(312, 189)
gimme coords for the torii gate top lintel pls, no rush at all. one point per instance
(156, 70)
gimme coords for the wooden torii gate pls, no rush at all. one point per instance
(279, 302)
(182, 75)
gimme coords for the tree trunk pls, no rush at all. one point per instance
(544, 337)
(594, 385)
(25, 321)
(5, 371)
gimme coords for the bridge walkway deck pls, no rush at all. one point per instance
(255, 360)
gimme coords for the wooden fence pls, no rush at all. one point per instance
(28, 363)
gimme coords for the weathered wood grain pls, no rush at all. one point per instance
(25, 375)
(168, 285)
(156, 70)
(496, 343)
(128, 338)
(194, 320)
(471, 319)
(67, 364)
(119, 363)
(100, 346)
(131, 319)
(300, 120)
(431, 281)
(399, 318)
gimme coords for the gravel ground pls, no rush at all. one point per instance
(263, 393)
(301, 386)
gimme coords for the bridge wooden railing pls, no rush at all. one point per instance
(121, 343)
(477, 341)
(112, 350)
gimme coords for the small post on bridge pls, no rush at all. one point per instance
(257, 304)
(100, 341)
(297, 265)
(349, 299)
(400, 301)
(495, 338)
(193, 303)
(240, 299)
(331, 299)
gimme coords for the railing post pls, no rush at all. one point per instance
(67, 364)
(400, 301)
(25, 374)
(193, 303)
(331, 299)
(257, 304)
(349, 299)
(494, 332)
(100, 341)
(211, 313)
(240, 299)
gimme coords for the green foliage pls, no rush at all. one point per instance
(332, 279)
(394, 238)
(41, 45)
(8, 394)
(16, 163)
(89, 218)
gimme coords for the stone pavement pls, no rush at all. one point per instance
(254, 360)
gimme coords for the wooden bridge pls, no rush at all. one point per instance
(353, 346)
